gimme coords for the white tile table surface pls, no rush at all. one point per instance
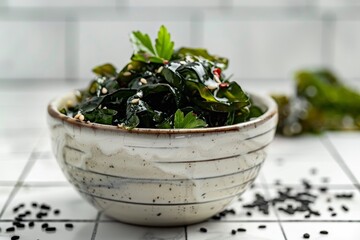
(29, 173)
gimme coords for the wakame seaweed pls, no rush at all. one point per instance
(322, 102)
(163, 88)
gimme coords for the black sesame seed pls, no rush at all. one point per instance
(50, 229)
(45, 207)
(19, 225)
(248, 214)
(44, 225)
(345, 208)
(69, 225)
(323, 189)
(204, 230)
(324, 232)
(56, 211)
(333, 214)
(233, 232)
(159, 214)
(34, 204)
(262, 226)
(31, 224)
(241, 230)
(306, 235)
(15, 237)
(330, 209)
(10, 229)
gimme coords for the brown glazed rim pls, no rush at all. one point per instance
(265, 100)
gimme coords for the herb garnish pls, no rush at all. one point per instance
(164, 88)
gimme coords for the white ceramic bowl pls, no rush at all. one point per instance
(161, 177)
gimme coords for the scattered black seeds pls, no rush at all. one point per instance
(233, 232)
(15, 237)
(345, 195)
(323, 189)
(262, 226)
(50, 229)
(241, 230)
(204, 230)
(10, 229)
(333, 214)
(306, 235)
(21, 205)
(328, 200)
(45, 207)
(34, 204)
(159, 214)
(248, 214)
(306, 184)
(56, 211)
(69, 225)
(345, 208)
(44, 225)
(19, 225)
(31, 224)
(324, 232)
(330, 209)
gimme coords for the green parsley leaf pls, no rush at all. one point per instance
(190, 120)
(163, 44)
(145, 50)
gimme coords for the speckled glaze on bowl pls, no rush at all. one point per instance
(161, 177)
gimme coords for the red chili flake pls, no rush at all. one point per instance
(217, 71)
(224, 85)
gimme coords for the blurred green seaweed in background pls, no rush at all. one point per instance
(321, 102)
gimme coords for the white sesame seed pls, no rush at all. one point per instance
(121, 125)
(81, 117)
(77, 115)
(126, 74)
(143, 80)
(182, 62)
(104, 90)
(135, 101)
(104, 107)
(129, 67)
(88, 122)
(159, 70)
(69, 103)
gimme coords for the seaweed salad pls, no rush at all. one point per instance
(163, 88)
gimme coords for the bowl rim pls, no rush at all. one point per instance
(266, 100)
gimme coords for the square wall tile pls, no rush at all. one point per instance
(4, 195)
(114, 230)
(45, 171)
(108, 42)
(11, 169)
(34, 50)
(346, 45)
(63, 3)
(64, 198)
(263, 49)
(297, 145)
(223, 231)
(183, 3)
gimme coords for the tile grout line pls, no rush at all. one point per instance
(93, 236)
(19, 183)
(186, 232)
(340, 161)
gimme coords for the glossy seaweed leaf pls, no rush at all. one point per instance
(102, 116)
(105, 70)
(217, 61)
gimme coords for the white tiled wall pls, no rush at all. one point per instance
(62, 40)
